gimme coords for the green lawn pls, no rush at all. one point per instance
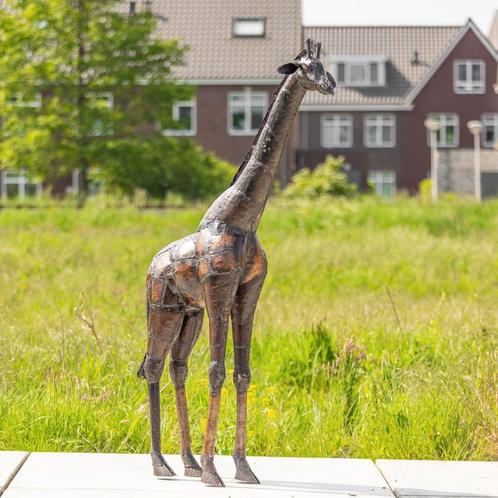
(376, 334)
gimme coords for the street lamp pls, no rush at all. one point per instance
(475, 127)
(433, 125)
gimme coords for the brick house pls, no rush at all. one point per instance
(390, 79)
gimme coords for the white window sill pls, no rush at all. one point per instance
(380, 146)
(234, 133)
(179, 133)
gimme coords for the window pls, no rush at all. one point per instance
(19, 99)
(246, 111)
(16, 184)
(379, 130)
(249, 27)
(184, 116)
(469, 76)
(383, 182)
(359, 70)
(337, 130)
(489, 130)
(447, 135)
(102, 102)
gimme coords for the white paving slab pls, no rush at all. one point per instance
(428, 478)
(81, 475)
(10, 461)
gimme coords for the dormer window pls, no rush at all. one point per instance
(469, 76)
(359, 71)
(249, 27)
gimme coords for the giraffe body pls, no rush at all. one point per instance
(220, 268)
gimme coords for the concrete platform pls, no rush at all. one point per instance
(438, 479)
(90, 475)
(77, 475)
(10, 463)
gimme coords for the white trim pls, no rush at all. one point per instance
(365, 61)
(491, 116)
(434, 68)
(247, 92)
(437, 115)
(354, 107)
(249, 20)
(176, 116)
(386, 177)
(21, 181)
(214, 82)
(469, 62)
(35, 104)
(332, 145)
(382, 145)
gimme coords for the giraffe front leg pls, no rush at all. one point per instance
(242, 319)
(220, 290)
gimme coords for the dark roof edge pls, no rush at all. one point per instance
(336, 26)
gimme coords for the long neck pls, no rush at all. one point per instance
(243, 203)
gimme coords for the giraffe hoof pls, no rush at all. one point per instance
(160, 467)
(212, 479)
(163, 471)
(244, 473)
(192, 468)
(193, 472)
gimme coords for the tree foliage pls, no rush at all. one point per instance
(327, 179)
(164, 165)
(78, 78)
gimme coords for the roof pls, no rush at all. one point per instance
(206, 27)
(397, 43)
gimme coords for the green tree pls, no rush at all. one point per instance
(327, 179)
(78, 78)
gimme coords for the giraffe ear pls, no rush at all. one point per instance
(332, 80)
(288, 68)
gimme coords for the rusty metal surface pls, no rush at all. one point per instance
(221, 268)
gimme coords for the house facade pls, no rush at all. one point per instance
(390, 80)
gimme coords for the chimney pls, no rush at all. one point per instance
(415, 59)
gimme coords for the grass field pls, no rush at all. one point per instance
(376, 333)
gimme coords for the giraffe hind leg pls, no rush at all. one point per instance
(163, 329)
(178, 367)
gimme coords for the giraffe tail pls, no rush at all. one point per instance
(141, 370)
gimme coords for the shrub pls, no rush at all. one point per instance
(164, 166)
(326, 179)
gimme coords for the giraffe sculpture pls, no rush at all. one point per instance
(221, 268)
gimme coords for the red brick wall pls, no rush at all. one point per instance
(438, 96)
(212, 126)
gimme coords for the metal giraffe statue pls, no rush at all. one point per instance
(221, 268)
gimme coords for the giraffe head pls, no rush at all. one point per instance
(310, 71)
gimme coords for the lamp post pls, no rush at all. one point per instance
(475, 127)
(433, 125)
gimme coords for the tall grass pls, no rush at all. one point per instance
(376, 334)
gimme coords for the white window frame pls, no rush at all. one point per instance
(444, 119)
(108, 97)
(468, 86)
(386, 177)
(21, 180)
(239, 21)
(489, 119)
(335, 122)
(17, 100)
(247, 93)
(363, 60)
(380, 120)
(176, 116)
